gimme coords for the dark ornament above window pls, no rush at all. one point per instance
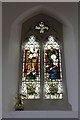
(41, 27)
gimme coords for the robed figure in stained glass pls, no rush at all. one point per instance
(52, 69)
(52, 63)
(31, 69)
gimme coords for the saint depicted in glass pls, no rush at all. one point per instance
(31, 69)
(52, 70)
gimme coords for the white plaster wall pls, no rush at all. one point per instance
(13, 16)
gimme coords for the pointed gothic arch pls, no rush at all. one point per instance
(54, 29)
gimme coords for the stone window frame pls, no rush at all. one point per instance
(56, 29)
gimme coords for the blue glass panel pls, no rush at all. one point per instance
(52, 70)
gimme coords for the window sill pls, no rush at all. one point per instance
(46, 105)
(41, 114)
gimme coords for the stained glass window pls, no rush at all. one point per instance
(31, 69)
(52, 70)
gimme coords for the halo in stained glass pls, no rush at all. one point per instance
(52, 70)
(31, 69)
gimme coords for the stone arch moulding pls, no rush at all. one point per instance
(44, 10)
(33, 12)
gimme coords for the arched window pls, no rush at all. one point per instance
(52, 80)
(31, 69)
(42, 63)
